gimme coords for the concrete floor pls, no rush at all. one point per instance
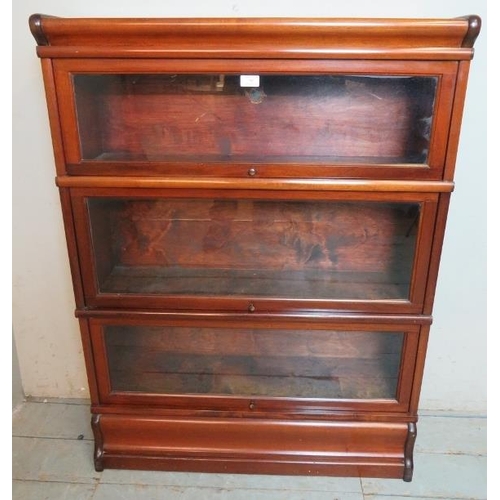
(52, 459)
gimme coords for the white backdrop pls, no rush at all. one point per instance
(45, 330)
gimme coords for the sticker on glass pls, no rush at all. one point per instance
(249, 80)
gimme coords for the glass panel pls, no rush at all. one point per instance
(253, 362)
(301, 119)
(264, 248)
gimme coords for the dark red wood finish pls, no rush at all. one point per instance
(413, 303)
(312, 165)
(138, 173)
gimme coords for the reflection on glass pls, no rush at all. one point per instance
(297, 118)
(265, 248)
(253, 362)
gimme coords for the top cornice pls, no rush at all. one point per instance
(289, 38)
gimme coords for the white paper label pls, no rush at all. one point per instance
(249, 80)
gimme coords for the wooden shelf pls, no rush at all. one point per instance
(319, 284)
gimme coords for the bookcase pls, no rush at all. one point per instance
(254, 212)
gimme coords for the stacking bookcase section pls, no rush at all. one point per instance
(178, 249)
(319, 119)
(254, 212)
(221, 362)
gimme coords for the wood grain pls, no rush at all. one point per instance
(437, 39)
(223, 445)
(272, 363)
(226, 247)
(255, 184)
(333, 118)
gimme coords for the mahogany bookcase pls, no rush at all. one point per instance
(254, 211)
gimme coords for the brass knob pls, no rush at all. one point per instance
(252, 405)
(252, 171)
(251, 308)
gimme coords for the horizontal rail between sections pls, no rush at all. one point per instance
(255, 184)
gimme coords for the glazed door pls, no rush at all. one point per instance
(241, 364)
(254, 251)
(315, 120)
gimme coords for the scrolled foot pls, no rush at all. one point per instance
(98, 447)
(409, 445)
